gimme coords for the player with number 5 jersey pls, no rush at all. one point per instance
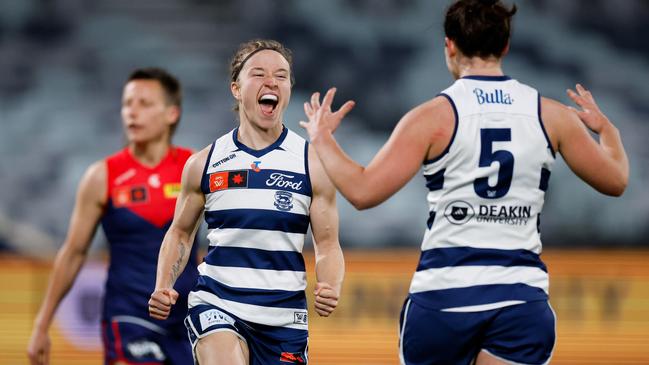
(479, 294)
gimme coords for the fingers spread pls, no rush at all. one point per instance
(329, 98)
(346, 108)
(308, 110)
(315, 100)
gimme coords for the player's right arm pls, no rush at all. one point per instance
(178, 240)
(603, 165)
(88, 209)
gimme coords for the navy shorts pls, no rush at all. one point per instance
(267, 345)
(133, 340)
(520, 334)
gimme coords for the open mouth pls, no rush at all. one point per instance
(268, 103)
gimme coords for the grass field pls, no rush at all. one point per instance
(601, 299)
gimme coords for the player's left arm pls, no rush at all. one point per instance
(329, 261)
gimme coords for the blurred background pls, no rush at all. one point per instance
(64, 63)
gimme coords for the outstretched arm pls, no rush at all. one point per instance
(178, 241)
(603, 165)
(330, 264)
(422, 133)
(88, 209)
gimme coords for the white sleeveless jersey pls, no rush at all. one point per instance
(257, 212)
(481, 249)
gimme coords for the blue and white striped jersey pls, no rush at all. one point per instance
(257, 212)
(486, 191)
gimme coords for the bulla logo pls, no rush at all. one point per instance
(283, 181)
(495, 97)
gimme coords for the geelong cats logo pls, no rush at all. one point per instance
(283, 200)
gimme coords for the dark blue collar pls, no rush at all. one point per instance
(487, 78)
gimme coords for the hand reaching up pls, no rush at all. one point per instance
(321, 117)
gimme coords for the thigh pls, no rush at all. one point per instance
(522, 334)
(429, 336)
(214, 333)
(221, 348)
(130, 343)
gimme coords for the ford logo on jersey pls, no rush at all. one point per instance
(283, 181)
(495, 97)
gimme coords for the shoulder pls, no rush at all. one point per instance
(553, 108)
(196, 162)
(433, 120)
(119, 157)
(96, 172)
(556, 118)
(94, 183)
(440, 106)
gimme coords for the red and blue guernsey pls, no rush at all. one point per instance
(139, 210)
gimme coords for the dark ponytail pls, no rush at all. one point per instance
(479, 28)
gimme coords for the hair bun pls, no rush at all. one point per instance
(488, 2)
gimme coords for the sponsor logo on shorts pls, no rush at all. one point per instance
(214, 317)
(140, 349)
(292, 357)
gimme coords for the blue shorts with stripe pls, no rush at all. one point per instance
(520, 334)
(267, 345)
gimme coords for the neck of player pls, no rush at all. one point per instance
(477, 66)
(150, 153)
(256, 137)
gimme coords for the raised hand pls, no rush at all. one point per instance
(590, 114)
(326, 299)
(161, 302)
(321, 117)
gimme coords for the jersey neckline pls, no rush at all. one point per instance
(487, 78)
(169, 153)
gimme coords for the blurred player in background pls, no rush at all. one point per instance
(487, 144)
(133, 194)
(260, 186)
